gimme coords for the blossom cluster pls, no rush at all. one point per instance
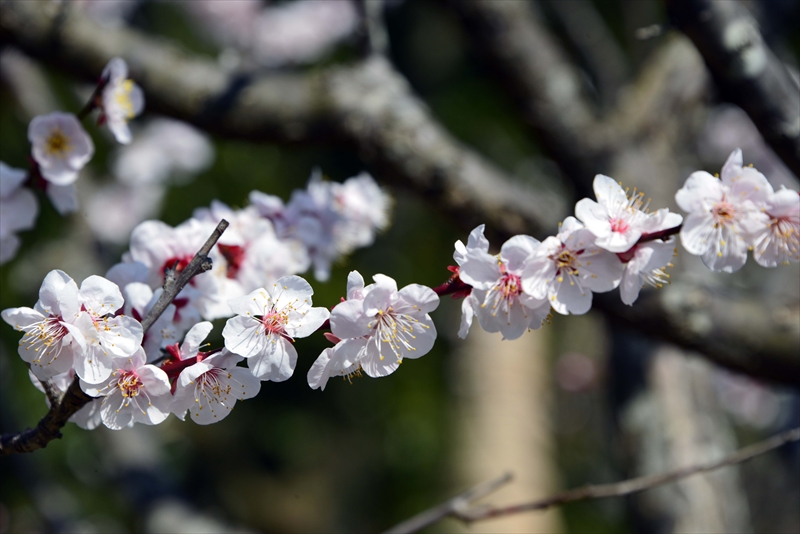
(605, 247)
(267, 240)
(736, 213)
(616, 241)
(93, 333)
(60, 148)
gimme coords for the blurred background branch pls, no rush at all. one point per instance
(458, 506)
(745, 70)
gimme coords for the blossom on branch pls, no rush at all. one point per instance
(500, 303)
(135, 392)
(60, 146)
(381, 325)
(209, 389)
(121, 99)
(616, 219)
(18, 210)
(51, 342)
(645, 262)
(779, 241)
(725, 214)
(567, 268)
(331, 219)
(107, 336)
(266, 323)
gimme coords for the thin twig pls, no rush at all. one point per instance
(49, 428)
(634, 485)
(452, 506)
(172, 286)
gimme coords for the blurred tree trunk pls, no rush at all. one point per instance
(677, 421)
(503, 405)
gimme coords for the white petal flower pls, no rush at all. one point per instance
(779, 242)
(135, 392)
(476, 241)
(266, 324)
(500, 303)
(209, 389)
(724, 215)
(384, 326)
(329, 218)
(121, 99)
(51, 342)
(108, 337)
(61, 147)
(646, 261)
(567, 268)
(18, 210)
(341, 360)
(616, 219)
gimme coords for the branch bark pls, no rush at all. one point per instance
(601, 491)
(745, 70)
(49, 427)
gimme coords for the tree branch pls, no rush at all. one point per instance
(455, 505)
(746, 71)
(49, 428)
(545, 85)
(370, 108)
(602, 491)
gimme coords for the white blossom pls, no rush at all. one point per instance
(121, 99)
(107, 337)
(381, 326)
(60, 146)
(567, 268)
(646, 261)
(498, 298)
(135, 392)
(724, 214)
(266, 324)
(329, 218)
(616, 219)
(18, 210)
(209, 389)
(779, 241)
(51, 342)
